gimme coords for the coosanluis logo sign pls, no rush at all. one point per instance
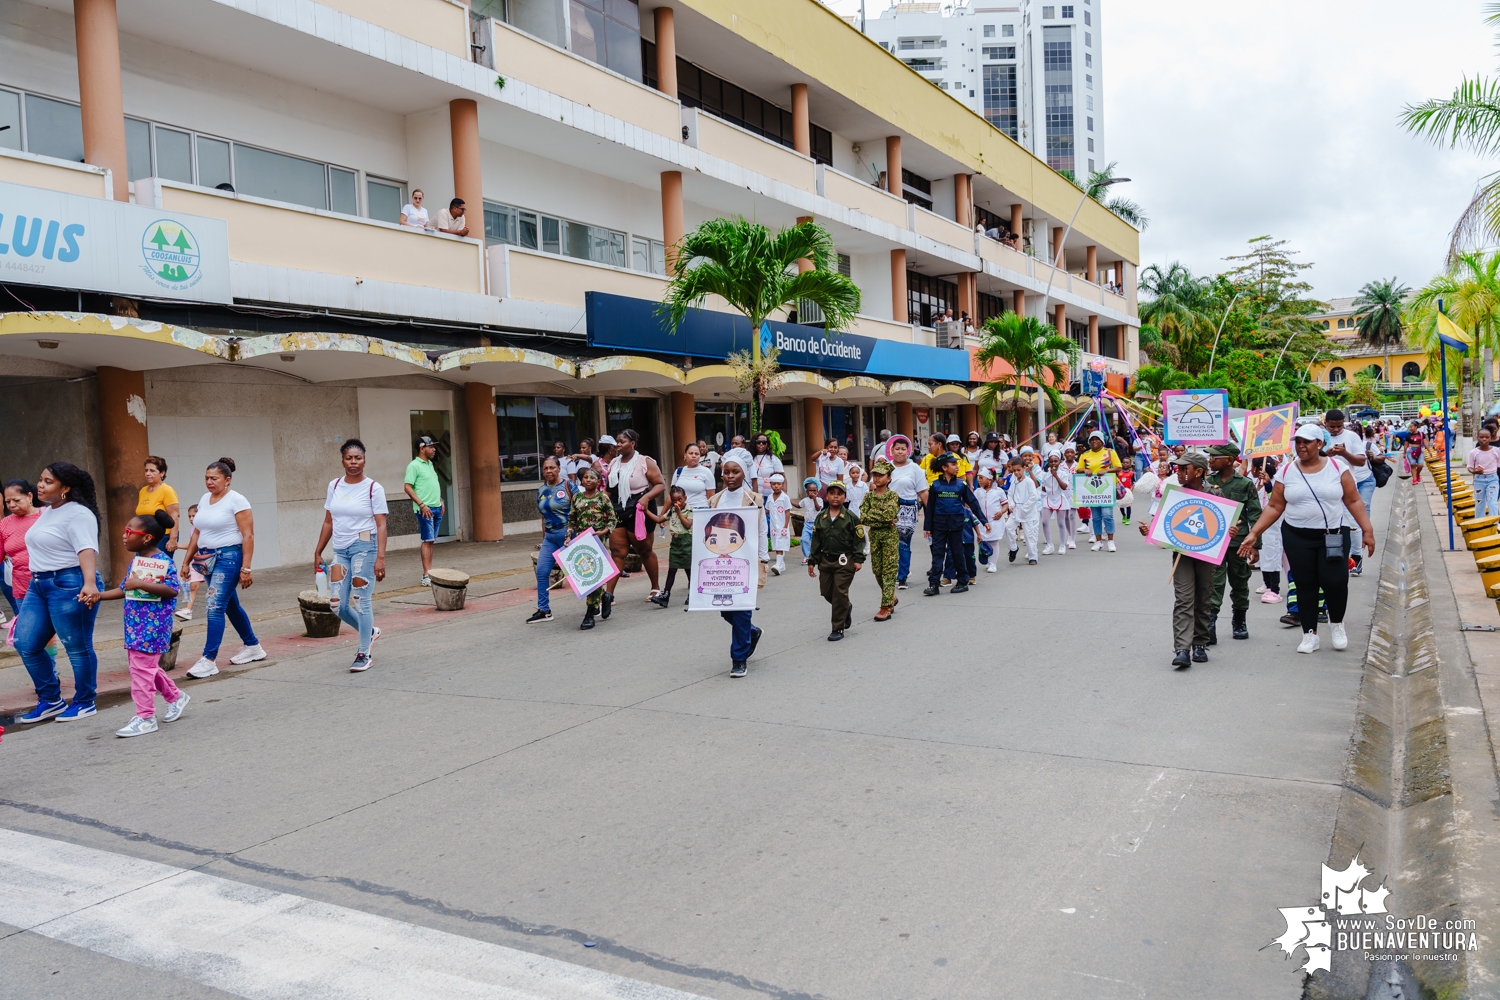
(70, 241)
(618, 322)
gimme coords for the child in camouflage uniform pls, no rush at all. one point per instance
(591, 509)
(878, 514)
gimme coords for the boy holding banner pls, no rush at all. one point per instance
(1235, 569)
(1192, 579)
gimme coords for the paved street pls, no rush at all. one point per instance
(1057, 815)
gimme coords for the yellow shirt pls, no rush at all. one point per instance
(150, 501)
(1099, 461)
(964, 466)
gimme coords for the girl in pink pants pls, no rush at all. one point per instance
(150, 594)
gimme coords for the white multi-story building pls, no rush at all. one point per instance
(1034, 70)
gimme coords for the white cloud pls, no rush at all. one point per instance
(1280, 117)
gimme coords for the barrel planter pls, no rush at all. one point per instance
(319, 620)
(449, 587)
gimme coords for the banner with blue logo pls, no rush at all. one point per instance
(74, 242)
(618, 322)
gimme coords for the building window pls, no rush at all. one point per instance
(920, 44)
(917, 189)
(1000, 98)
(989, 31)
(1091, 144)
(1411, 372)
(1048, 13)
(1088, 18)
(1088, 59)
(534, 231)
(382, 198)
(1088, 80)
(1336, 375)
(1089, 102)
(1067, 11)
(1088, 38)
(1057, 67)
(928, 297)
(648, 255)
(1091, 122)
(529, 424)
(608, 32)
(1007, 31)
(1091, 165)
(999, 51)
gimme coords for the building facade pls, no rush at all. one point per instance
(1033, 70)
(203, 254)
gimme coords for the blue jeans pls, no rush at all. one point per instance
(807, 541)
(51, 608)
(428, 526)
(903, 553)
(358, 560)
(1366, 491)
(1486, 494)
(739, 640)
(223, 582)
(10, 597)
(1142, 464)
(551, 542)
(1102, 520)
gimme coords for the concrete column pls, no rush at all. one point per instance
(1024, 417)
(904, 423)
(974, 297)
(468, 172)
(1060, 319)
(122, 433)
(803, 264)
(1015, 220)
(892, 165)
(812, 432)
(1018, 301)
(1092, 267)
(672, 226)
(968, 418)
(484, 462)
(963, 201)
(801, 122)
(684, 427)
(1120, 274)
(899, 307)
(96, 27)
(1059, 253)
(1093, 334)
(666, 51)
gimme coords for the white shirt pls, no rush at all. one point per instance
(57, 537)
(742, 497)
(779, 510)
(988, 461)
(1024, 494)
(415, 217)
(992, 502)
(1053, 448)
(697, 482)
(762, 467)
(1313, 499)
(830, 469)
(353, 506)
(973, 456)
(908, 480)
(856, 494)
(215, 522)
(1356, 445)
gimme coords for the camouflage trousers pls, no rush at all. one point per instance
(884, 557)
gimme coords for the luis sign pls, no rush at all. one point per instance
(69, 241)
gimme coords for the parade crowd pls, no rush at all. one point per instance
(1304, 525)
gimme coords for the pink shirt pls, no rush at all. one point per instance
(1484, 462)
(13, 538)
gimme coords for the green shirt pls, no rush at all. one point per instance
(423, 479)
(1242, 488)
(832, 538)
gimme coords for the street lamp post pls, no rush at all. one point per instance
(1213, 353)
(1041, 397)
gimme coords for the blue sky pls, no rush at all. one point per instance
(1278, 117)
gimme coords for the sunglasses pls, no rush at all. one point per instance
(132, 531)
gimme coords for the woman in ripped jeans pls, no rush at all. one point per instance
(355, 522)
(221, 549)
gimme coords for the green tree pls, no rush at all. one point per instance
(1469, 290)
(1097, 187)
(1173, 301)
(1030, 349)
(1381, 305)
(756, 272)
(1152, 380)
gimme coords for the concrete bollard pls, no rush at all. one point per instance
(320, 621)
(449, 587)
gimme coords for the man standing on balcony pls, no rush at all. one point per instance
(452, 219)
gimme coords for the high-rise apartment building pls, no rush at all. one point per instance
(1034, 70)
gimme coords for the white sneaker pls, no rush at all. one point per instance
(249, 654)
(1048, 550)
(186, 614)
(174, 708)
(1309, 643)
(426, 580)
(1072, 544)
(203, 668)
(1340, 637)
(1095, 547)
(1111, 546)
(1261, 589)
(991, 568)
(137, 726)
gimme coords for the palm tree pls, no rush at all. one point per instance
(1098, 186)
(1173, 301)
(1470, 292)
(1030, 349)
(756, 272)
(1380, 305)
(1152, 380)
(1471, 117)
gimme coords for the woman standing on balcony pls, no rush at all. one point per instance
(412, 213)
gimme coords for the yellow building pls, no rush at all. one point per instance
(1340, 326)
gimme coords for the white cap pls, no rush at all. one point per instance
(606, 439)
(1027, 449)
(954, 437)
(1309, 432)
(777, 477)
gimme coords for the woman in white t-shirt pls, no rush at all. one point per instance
(1311, 495)
(412, 213)
(695, 478)
(62, 548)
(222, 546)
(763, 464)
(829, 465)
(973, 449)
(354, 520)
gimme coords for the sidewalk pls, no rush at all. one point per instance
(500, 576)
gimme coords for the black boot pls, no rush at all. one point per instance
(1200, 655)
(1241, 630)
(1213, 632)
(662, 599)
(1182, 660)
(606, 604)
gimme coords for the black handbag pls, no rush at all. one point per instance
(1333, 540)
(1379, 467)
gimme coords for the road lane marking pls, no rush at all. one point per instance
(258, 943)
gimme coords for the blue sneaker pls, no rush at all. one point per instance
(43, 712)
(75, 712)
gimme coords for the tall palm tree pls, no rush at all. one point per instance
(1030, 349)
(1379, 306)
(1173, 301)
(1471, 117)
(1097, 186)
(1470, 292)
(756, 272)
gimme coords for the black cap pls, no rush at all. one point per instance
(426, 442)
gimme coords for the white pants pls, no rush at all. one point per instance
(1028, 525)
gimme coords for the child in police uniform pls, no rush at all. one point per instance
(837, 551)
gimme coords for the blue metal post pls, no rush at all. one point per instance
(1447, 444)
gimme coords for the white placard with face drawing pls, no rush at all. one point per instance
(726, 556)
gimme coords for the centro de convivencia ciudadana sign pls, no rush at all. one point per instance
(74, 242)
